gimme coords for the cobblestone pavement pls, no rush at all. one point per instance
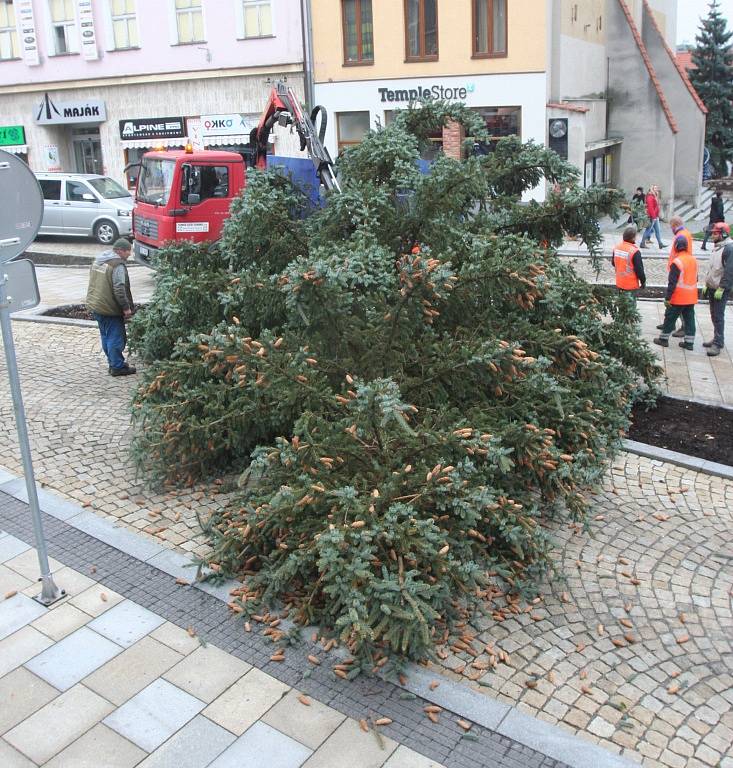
(66, 246)
(109, 677)
(636, 648)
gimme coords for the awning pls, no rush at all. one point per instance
(226, 141)
(150, 143)
(592, 146)
(17, 149)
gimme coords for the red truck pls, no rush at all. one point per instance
(186, 195)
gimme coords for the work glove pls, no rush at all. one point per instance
(667, 303)
(704, 291)
(718, 294)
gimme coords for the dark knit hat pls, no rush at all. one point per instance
(121, 244)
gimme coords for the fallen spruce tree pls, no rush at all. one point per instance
(413, 385)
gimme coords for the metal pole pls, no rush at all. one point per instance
(49, 591)
(307, 27)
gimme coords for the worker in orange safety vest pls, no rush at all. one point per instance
(681, 295)
(628, 263)
(679, 230)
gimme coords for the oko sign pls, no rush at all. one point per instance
(224, 125)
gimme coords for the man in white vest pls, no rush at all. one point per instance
(718, 283)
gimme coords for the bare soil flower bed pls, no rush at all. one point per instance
(76, 311)
(703, 431)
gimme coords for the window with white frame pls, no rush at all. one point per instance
(189, 21)
(64, 36)
(256, 18)
(124, 24)
(8, 35)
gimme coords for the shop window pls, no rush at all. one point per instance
(189, 21)
(351, 127)
(500, 122)
(421, 30)
(124, 24)
(51, 189)
(8, 34)
(64, 36)
(433, 145)
(489, 28)
(358, 31)
(206, 181)
(256, 18)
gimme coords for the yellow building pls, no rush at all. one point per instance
(371, 57)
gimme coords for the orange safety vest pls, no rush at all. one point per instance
(684, 232)
(626, 278)
(685, 292)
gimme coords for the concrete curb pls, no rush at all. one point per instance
(551, 740)
(680, 459)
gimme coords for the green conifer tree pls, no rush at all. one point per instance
(712, 77)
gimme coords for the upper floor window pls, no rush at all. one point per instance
(189, 21)
(64, 36)
(489, 28)
(358, 31)
(8, 35)
(256, 18)
(421, 23)
(124, 24)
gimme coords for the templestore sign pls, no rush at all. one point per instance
(427, 93)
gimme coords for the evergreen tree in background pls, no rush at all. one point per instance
(413, 385)
(713, 80)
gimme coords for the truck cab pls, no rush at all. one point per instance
(183, 195)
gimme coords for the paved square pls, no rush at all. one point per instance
(21, 646)
(263, 747)
(154, 715)
(96, 748)
(126, 623)
(194, 746)
(70, 660)
(16, 612)
(309, 724)
(21, 694)
(206, 672)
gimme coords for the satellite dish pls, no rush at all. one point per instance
(21, 212)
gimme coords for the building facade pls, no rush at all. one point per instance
(88, 85)
(372, 58)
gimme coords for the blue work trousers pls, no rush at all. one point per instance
(717, 315)
(114, 337)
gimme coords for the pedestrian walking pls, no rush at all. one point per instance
(681, 295)
(637, 207)
(718, 284)
(628, 263)
(109, 299)
(717, 214)
(653, 209)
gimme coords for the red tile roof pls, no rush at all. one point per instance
(567, 106)
(675, 61)
(684, 59)
(649, 66)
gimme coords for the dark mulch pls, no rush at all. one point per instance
(698, 430)
(76, 311)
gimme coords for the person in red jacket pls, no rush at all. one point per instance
(653, 210)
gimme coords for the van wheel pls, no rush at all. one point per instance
(105, 232)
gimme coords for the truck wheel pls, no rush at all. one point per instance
(105, 232)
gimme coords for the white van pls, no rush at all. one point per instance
(83, 205)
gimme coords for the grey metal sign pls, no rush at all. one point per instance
(50, 112)
(22, 286)
(21, 211)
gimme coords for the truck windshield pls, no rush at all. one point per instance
(109, 189)
(156, 179)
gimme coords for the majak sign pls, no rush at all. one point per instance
(427, 93)
(152, 128)
(50, 112)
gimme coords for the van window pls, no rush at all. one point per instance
(51, 189)
(75, 192)
(109, 189)
(207, 181)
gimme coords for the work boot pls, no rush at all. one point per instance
(659, 327)
(663, 245)
(688, 345)
(707, 344)
(662, 342)
(679, 333)
(714, 350)
(126, 370)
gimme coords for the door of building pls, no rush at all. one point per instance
(88, 152)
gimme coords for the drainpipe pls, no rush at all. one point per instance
(305, 12)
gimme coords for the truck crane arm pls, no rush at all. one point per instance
(283, 108)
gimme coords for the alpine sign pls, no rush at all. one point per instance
(152, 128)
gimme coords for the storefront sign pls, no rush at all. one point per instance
(51, 157)
(193, 126)
(429, 92)
(224, 125)
(26, 27)
(152, 128)
(11, 135)
(85, 18)
(49, 112)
